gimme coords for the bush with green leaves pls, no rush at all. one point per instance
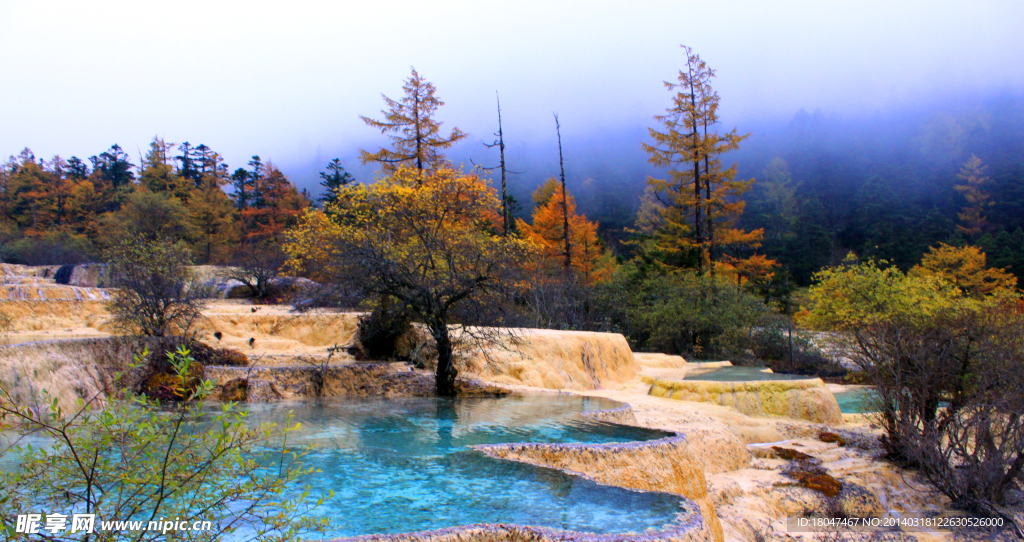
(948, 370)
(136, 459)
(695, 315)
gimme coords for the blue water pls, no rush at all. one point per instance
(400, 465)
(856, 401)
(741, 374)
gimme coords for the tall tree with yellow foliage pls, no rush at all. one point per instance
(700, 201)
(973, 215)
(428, 241)
(416, 137)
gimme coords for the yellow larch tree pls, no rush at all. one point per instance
(966, 268)
(973, 215)
(699, 201)
(429, 241)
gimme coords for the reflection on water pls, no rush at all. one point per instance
(399, 465)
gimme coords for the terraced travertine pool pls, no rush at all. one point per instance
(405, 464)
(742, 373)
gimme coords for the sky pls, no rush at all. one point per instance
(288, 80)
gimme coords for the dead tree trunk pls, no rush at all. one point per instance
(565, 202)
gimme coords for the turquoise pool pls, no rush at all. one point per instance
(400, 465)
(856, 401)
(742, 373)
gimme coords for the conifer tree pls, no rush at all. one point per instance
(973, 215)
(699, 202)
(334, 178)
(415, 136)
(189, 160)
(158, 174)
(240, 182)
(113, 166)
(590, 261)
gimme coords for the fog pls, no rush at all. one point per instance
(287, 81)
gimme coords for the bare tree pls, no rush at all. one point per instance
(257, 264)
(505, 198)
(156, 293)
(951, 399)
(565, 205)
(320, 366)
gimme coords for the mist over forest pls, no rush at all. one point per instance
(880, 184)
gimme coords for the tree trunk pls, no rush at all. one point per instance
(446, 371)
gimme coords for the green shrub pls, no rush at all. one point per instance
(686, 313)
(136, 459)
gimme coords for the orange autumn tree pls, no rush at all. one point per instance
(966, 268)
(755, 271)
(590, 261)
(276, 205)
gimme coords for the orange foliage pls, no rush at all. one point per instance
(966, 268)
(589, 258)
(757, 269)
(280, 206)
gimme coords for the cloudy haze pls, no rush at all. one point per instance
(287, 80)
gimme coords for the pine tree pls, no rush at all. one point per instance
(240, 182)
(247, 185)
(189, 159)
(276, 204)
(256, 182)
(416, 137)
(113, 167)
(158, 174)
(77, 168)
(334, 178)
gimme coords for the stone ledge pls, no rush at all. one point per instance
(690, 531)
(800, 399)
(665, 465)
